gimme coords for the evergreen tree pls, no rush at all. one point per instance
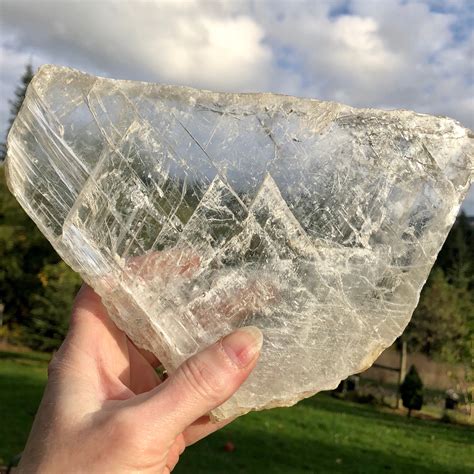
(441, 322)
(16, 103)
(456, 258)
(51, 307)
(36, 288)
(411, 391)
(24, 251)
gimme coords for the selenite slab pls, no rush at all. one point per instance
(193, 213)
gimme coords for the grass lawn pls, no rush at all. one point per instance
(319, 435)
(22, 379)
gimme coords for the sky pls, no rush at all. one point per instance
(411, 54)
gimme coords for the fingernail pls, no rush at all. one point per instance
(242, 345)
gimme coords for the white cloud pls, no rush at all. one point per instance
(343, 58)
(12, 65)
(388, 56)
(414, 54)
(153, 41)
(393, 53)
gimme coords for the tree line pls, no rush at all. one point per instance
(37, 288)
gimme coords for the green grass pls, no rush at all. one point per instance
(319, 435)
(326, 435)
(22, 380)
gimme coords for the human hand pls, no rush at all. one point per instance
(105, 410)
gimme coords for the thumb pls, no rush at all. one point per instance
(204, 381)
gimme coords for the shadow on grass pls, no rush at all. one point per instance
(324, 401)
(326, 435)
(282, 453)
(430, 393)
(30, 356)
(320, 435)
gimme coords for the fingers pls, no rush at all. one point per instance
(90, 319)
(236, 301)
(91, 331)
(91, 328)
(169, 264)
(143, 377)
(203, 382)
(175, 452)
(96, 346)
(89, 315)
(147, 355)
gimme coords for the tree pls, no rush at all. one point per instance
(17, 102)
(36, 287)
(23, 253)
(440, 325)
(51, 307)
(411, 391)
(456, 258)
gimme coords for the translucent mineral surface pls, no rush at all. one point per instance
(193, 213)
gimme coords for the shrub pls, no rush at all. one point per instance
(47, 325)
(411, 391)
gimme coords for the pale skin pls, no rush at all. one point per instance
(105, 410)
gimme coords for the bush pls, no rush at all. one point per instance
(411, 391)
(51, 307)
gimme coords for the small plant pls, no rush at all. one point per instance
(411, 391)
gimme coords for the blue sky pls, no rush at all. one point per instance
(409, 54)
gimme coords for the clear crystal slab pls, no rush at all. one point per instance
(193, 213)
